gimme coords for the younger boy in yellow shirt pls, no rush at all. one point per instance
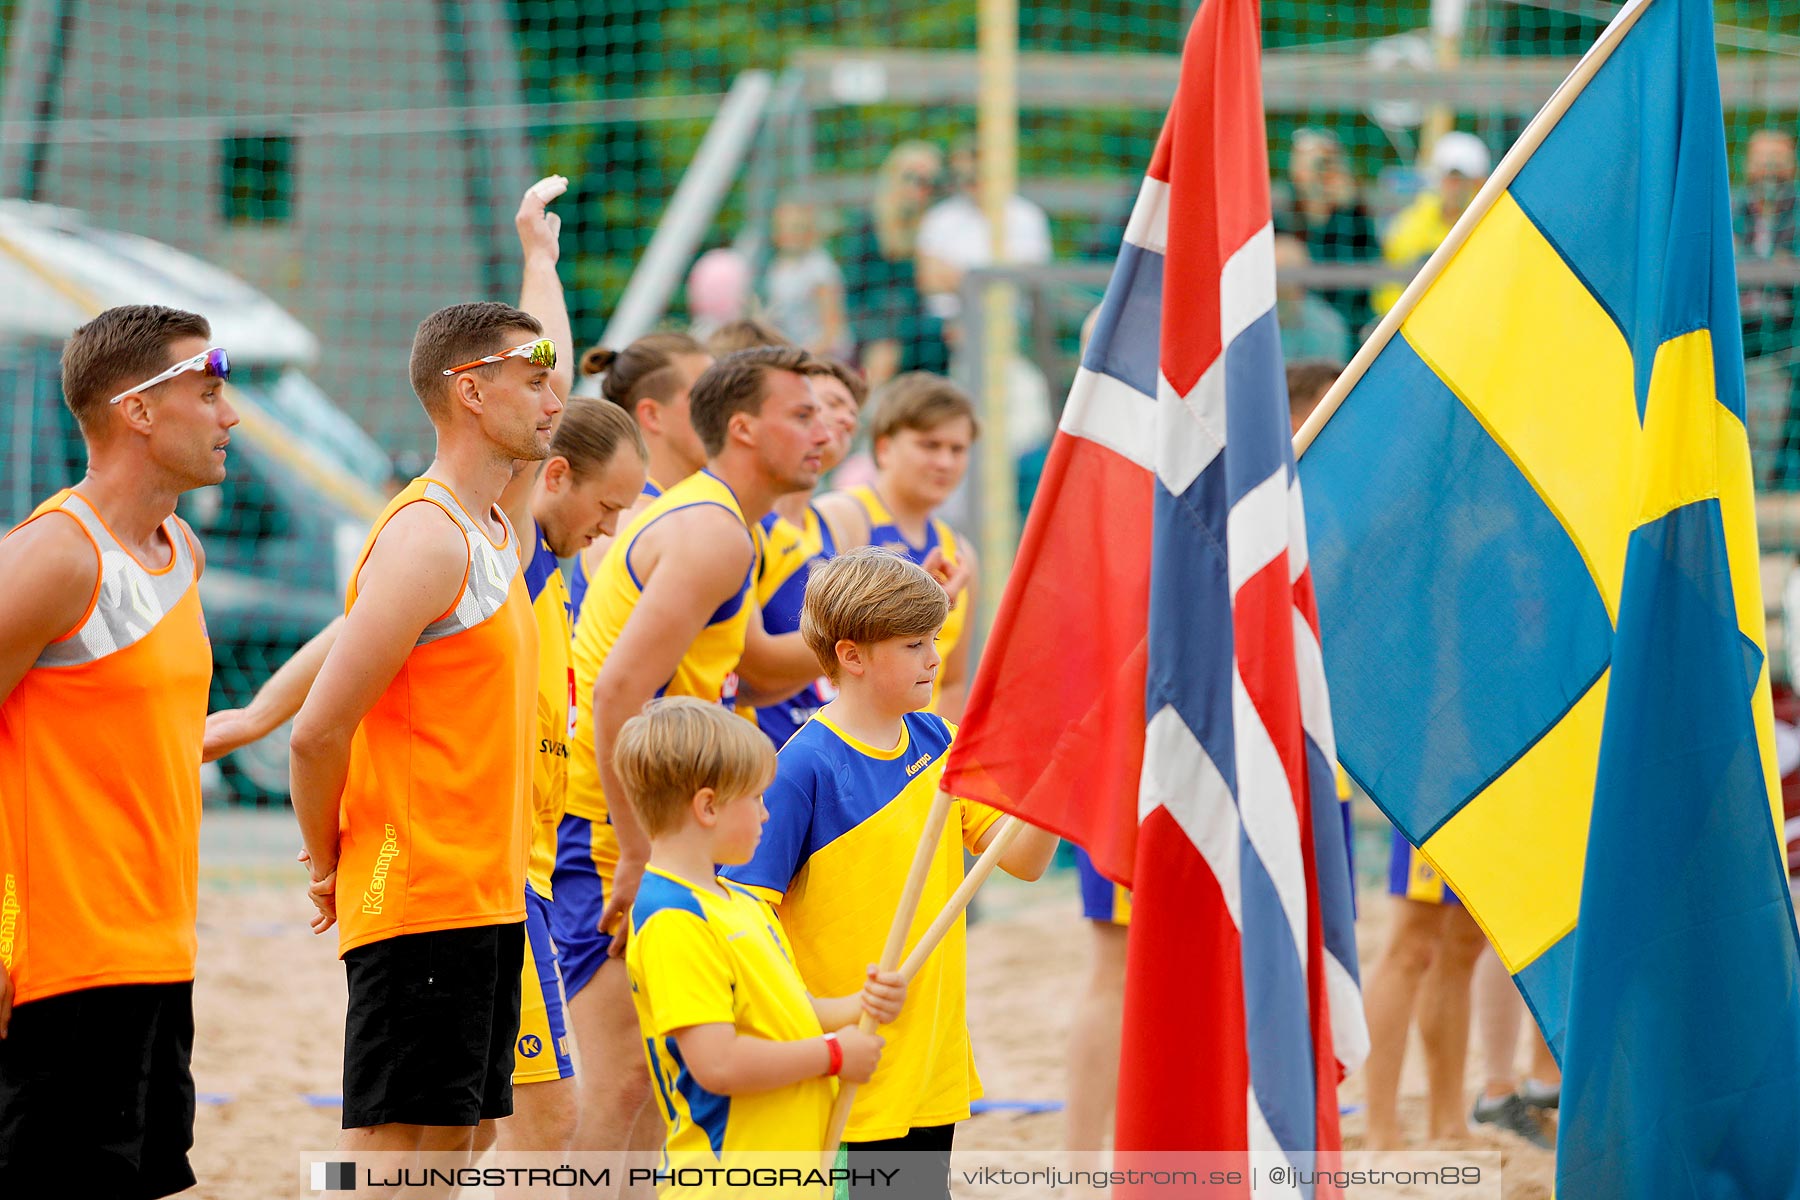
(847, 808)
(737, 1049)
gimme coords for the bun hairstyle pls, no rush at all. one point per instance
(644, 368)
(597, 360)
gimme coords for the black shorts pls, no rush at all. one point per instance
(428, 1038)
(919, 1158)
(96, 1094)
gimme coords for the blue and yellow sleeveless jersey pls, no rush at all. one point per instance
(708, 669)
(844, 819)
(555, 710)
(789, 553)
(578, 578)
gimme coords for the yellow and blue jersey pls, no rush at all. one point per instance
(587, 847)
(541, 1050)
(578, 578)
(555, 710)
(708, 669)
(789, 553)
(578, 585)
(696, 957)
(844, 818)
(886, 533)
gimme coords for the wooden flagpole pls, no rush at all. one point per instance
(1498, 182)
(1008, 833)
(933, 833)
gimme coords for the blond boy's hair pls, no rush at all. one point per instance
(868, 595)
(680, 744)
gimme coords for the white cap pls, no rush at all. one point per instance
(1462, 154)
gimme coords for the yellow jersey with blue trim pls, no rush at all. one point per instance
(844, 818)
(709, 668)
(886, 533)
(699, 957)
(578, 580)
(789, 553)
(555, 710)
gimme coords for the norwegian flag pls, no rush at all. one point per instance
(1154, 689)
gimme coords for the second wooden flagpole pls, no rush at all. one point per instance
(1490, 192)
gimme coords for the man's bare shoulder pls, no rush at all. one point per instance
(420, 541)
(53, 550)
(423, 527)
(51, 568)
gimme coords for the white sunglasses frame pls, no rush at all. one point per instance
(196, 363)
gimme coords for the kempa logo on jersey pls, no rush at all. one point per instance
(376, 893)
(10, 908)
(915, 768)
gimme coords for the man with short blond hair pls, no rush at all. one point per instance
(101, 635)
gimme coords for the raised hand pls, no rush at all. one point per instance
(538, 227)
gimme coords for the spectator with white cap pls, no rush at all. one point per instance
(1459, 165)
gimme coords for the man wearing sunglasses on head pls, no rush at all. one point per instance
(412, 756)
(104, 672)
(595, 472)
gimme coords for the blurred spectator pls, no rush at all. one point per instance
(955, 237)
(1764, 220)
(804, 287)
(718, 290)
(888, 321)
(1326, 213)
(745, 333)
(1459, 166)
(1310, 328)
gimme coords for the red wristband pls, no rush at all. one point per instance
(836, 1050)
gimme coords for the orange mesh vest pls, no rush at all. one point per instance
(433, 824)
(100, 779)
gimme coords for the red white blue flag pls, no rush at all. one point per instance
(1153, 688)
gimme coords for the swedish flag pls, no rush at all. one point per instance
(1534, 544)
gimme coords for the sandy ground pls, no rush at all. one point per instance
(270, 1007)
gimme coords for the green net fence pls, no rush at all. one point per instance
(316, 175)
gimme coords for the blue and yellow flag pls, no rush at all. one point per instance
(1534, 544)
